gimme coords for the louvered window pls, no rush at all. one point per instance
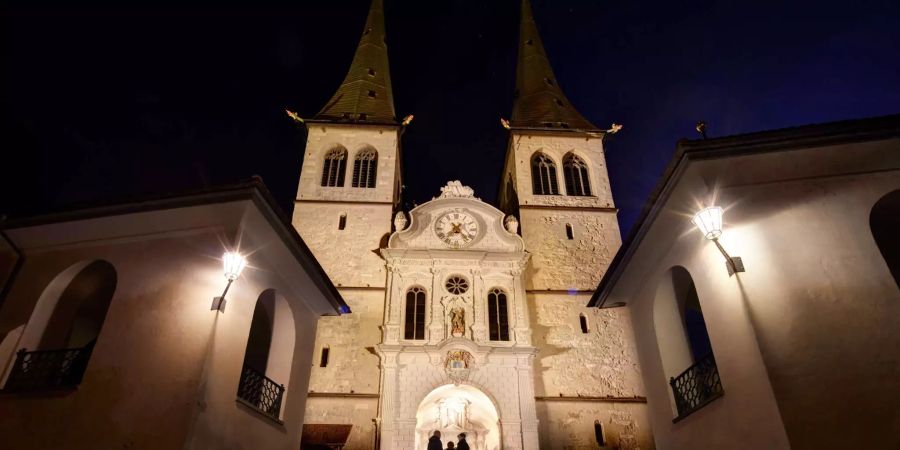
(543, 175)
(575, 171)
(365, 168)
(414, 328)
(498, 319)
(334, 168)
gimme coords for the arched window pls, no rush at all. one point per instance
(582, 320)
(63, 328)
(543, 175)
(268, 356)
(334, 168)
(498, 320)
(415, 314)
(365, 168)
(575, 172)
(684, 344)
(884, 221)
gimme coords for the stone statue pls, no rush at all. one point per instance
(457, 321)
(512, 224)
(400, 221)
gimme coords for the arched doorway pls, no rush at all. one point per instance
(454, 409)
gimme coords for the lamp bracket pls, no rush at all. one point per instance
(734, 264)
(218, 304)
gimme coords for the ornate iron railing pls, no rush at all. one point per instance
(697, 386)
(48, 369)
(260, 392)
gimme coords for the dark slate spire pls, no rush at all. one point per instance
(365, 95)
(538, 100)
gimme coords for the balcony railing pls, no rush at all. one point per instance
(260, 392)
(48, 369)
(696, 386)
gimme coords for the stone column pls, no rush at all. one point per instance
(388, 407)
(525, 369)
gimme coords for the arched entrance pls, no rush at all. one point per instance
(453, 409)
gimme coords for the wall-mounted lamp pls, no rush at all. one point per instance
(709, 222)
(234, 264)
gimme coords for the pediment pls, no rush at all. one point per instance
(428, 224)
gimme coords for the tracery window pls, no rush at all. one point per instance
(498, 319)
(415, 314)
(365, 168)
(543, 175)
(335, 167)
(457, 285)
(575, 172)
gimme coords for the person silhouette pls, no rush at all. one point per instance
(434, 442)
(462, 444)
(450, 445)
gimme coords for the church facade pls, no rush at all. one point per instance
(467, 317)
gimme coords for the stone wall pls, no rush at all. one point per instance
(568, 425)
(602, 362)
(360, 412)
(560, 263)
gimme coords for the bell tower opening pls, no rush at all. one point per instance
(454, 409)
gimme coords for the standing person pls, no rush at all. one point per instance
(462, 445)
(434, 442)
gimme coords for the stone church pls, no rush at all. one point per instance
(467, 317)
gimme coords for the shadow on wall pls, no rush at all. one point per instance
(885, 224)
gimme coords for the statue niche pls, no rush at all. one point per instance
(457, 322)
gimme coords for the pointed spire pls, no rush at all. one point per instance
(538, 100)
(365, 95)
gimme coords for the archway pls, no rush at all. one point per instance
(454, 409)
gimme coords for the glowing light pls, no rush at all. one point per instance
(709, 222)
(233, 264)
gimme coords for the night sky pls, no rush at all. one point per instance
(102, 103)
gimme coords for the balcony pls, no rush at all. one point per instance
(696, 387)
(260, 392)
(44, 370)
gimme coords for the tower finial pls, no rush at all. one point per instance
(539, 102)
(365, 95)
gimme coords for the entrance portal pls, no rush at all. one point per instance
(453, 409)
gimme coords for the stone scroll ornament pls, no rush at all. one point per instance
(400, 221)
(512, 224)
(457, 365)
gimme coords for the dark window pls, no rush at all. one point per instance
(498, 321)
(365, 168)
(558, 101)
(548, 81)
(371, 72)
(575, 172)
(884, 220)
(529, 42)
(323, 360)
(415, 314)
(583, 321)
(543, 175)
(371, 93)
(342, 222)
(570, 232)
(334, 168)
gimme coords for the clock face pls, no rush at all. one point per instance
(457, 229)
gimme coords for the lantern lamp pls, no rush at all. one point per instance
(233, 264)
(709, 221)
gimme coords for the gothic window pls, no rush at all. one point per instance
(498, 320)
(575, 171)
(457, 285)
(365, 168)
(543, 175)
(334, 168)
(583, 322)
(415, 314)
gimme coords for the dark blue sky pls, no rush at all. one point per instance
(105, 102)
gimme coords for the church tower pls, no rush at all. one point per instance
(555, 180)
(349, 187)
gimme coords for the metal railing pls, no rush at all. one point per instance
(48, 369)
(261, 392)
(696, 386)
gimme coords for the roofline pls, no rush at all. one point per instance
(254, 190)
(353, 122)
(686, 151)
(582, 131)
